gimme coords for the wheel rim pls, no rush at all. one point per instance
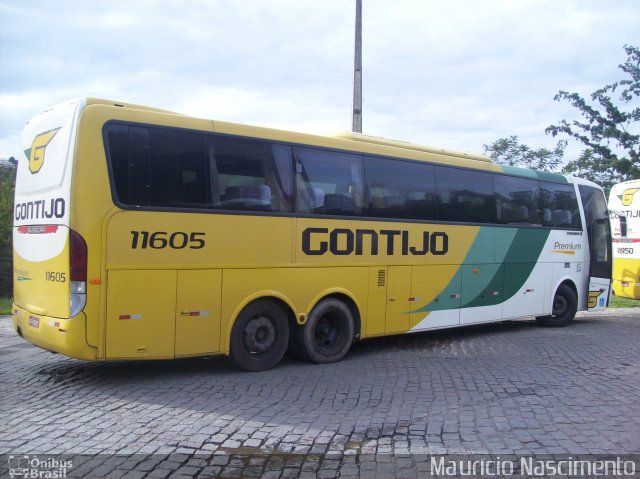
(259, 335)
(560, 305)
(328, 334)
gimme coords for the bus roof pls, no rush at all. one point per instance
(100, 101)
(356, 142)
(409, 146)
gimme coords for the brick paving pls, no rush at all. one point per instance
(509, 388)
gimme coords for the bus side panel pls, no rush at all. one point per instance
(482, 293)
(167, 269)
(168, 240)
(531, 298)
(440, 288)
(398, 299)
(374, 319)
(198, 312)
(163, 313)
(141, 308)
(626, 271)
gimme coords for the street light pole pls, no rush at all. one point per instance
(357, 72)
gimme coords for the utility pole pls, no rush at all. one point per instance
(357, 72)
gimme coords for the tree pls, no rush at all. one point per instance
(7, 181)
(508, 151)
(593, 167)
(609, 129)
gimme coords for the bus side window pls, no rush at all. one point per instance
(117, 149)
(559, 205)
(178, 169)
(465, 195)
(171, 168)
(517, 200)
(400, 189)
(328, 182)
(252, 175)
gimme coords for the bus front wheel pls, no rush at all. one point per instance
(565, 305)
(259, 336)
(328, 333)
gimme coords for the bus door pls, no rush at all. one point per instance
(599, 236)
(389, 305)
(600, 264)
(398, 299)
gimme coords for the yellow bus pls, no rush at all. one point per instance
(145, 234)
(625, 199)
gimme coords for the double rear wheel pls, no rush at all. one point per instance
(260, 336)
(328, 333)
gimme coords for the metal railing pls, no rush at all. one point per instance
(6, 272)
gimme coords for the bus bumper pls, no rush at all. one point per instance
(626, 289)
(64, 336)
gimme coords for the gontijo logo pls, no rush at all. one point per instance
(342, 241)
(37, 150)
(627, 196)
(596, 298)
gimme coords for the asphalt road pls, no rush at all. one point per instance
(500, 389)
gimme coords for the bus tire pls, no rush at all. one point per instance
(294, 343)
(259, 336)
(328, 333)
(565, 305)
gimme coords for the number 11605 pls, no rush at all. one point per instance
(164, 239)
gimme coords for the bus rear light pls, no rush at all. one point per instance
(77, 273)
(77, 257)
(78, 287)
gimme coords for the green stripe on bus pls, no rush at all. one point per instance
(536, 175)
(516, 254)
(510, 275)
(522, 258)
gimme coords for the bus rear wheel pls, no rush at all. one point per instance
(328, 333)
(259, 336)
(565, 305)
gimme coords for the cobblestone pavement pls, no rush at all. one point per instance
(509, 388)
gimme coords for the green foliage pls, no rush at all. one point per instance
(5, 305)
(508, 151)
(618, 302)
(609, 129)
(593, 167)
(7, 182)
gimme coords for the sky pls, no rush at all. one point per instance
(456, 74)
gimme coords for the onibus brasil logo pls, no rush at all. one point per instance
(37, 150)
(28, 466)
